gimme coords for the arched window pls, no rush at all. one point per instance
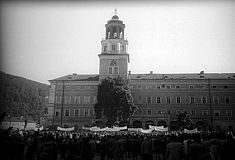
(120, 35)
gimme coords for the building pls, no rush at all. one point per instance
(208, 97)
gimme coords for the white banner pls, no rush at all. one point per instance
(159, 128)
(134, 129)
(146, 130)
(191, 131)
(65, 129)
(120, 128)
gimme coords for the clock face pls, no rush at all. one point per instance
(113, 62)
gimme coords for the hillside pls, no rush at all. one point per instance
(22, 97)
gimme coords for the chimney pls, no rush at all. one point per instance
(129, 72)
(151, 72)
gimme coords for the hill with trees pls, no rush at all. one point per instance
(22, 97)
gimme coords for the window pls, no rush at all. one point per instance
(110, 70)
(67, 113)
(191, 86)
(215, 100)
(139, 100)
(202, 86)
(67, 87)
(192, 99)
(177, 86)
(178, 100)
(123, 48)
(149, 100)
(205, 112)
(193, 112)
(217, 113)
(113, 47)
(93, 99)
(58, 99)
(204, 99)
(227, 100)
(213, 86)
(168, 86)
(105, 48)
(158, 99)
(57, 113)
(139, 86)
(67, 100)
(159, 112)
(158, 87)
(225, 86)
(86, 112)
(168, 99)
(168, 112)
(87, 99)
(149, 112)
(115, 70)
(229, 113)
(77, 99)
(76, 112)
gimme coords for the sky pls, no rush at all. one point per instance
(43, 41)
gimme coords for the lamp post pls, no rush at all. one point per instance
(211, 114)
(62, 106)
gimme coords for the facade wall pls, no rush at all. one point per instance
(175, 96)
(146, 93)
(77, 105)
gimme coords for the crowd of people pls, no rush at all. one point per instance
(122, 145)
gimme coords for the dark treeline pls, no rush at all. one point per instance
(123, 145)
(22, 97)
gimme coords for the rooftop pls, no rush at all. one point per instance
(95, 77)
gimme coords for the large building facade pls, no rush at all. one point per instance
(209, 98)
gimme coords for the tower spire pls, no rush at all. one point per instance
(115, 11)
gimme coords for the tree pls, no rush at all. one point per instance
(114, 101)
(184, 120)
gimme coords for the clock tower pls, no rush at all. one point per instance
(114, 58)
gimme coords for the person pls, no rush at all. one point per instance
(213, 154)
(228, 148)
(146, 149)
(174, 149)
(196, 149)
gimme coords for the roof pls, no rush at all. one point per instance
(76, 77)
(183, 76)
(95, 77)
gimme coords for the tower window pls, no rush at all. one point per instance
(105, 48)
(115, 70)
(115, 35)
(110, 70)
(120, 34)
(113, 47)
(123, 48)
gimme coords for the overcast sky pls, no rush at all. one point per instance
(43, 41)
